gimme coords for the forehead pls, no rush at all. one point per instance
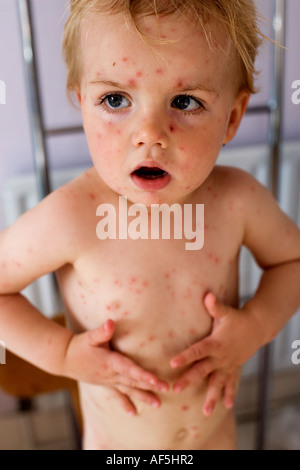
(176, 45)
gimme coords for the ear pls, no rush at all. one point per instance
(238, 110)
(78, 95)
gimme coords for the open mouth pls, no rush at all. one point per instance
(150, 178)
(150, 173)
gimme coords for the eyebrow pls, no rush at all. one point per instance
(131, 85)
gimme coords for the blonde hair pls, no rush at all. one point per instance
(238, 18)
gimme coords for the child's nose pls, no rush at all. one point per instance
(150, 132)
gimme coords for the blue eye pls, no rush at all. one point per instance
(187, 103)
(115, 101)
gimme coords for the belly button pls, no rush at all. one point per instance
(182, 434)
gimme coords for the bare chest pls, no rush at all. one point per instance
(153, 290)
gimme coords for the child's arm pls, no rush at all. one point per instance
(237, 334)
(26, 253)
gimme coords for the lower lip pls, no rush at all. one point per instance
(151, 185)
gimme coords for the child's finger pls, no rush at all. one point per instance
(215, 389)
(141, 395)
(215, 307)
(135, 376)
(194, 353)
(124, 402)
(230, 390)
(102, 334)
(197, 372)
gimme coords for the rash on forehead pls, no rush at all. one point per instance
(106, 36)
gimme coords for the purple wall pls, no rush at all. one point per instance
(49, 17)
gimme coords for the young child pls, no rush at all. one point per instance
(162, 86)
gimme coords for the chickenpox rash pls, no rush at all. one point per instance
(124, 59)
(172, 128)
(92, 196)
(185, 408)
(159, 71)
(139, 74)
(132, 82)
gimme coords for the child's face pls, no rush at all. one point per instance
(155, 117)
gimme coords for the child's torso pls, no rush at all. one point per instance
(153, 290)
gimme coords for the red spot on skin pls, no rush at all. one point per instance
(145, 284)
(192, 331)
(49, 341)
(117, 282)
(179, 84)
(138, 291)
(172, 128)
(171, 334)
(3, 265)
(139, 74)
(188, 293)
(182, 149)
(133, 280)
(208, 188)
(167, 275)
(125, 314)
(79, 283)
(252, 188)
(92, 196)
(141, 345)
(19, 265)
(132, 82)
(159, 71)
(124, 59)
(151, 338)
(113, 306)
(185, 407)
(119, 132)
(126, 333)
(99, 136)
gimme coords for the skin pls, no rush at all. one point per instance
(170, 336)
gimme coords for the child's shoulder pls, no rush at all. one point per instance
(234, 182)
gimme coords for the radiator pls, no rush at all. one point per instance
(20, 194)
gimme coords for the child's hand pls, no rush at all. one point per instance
(234, 338)
(89, 359)
(220, 384)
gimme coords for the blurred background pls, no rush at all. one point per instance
(47, 421)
